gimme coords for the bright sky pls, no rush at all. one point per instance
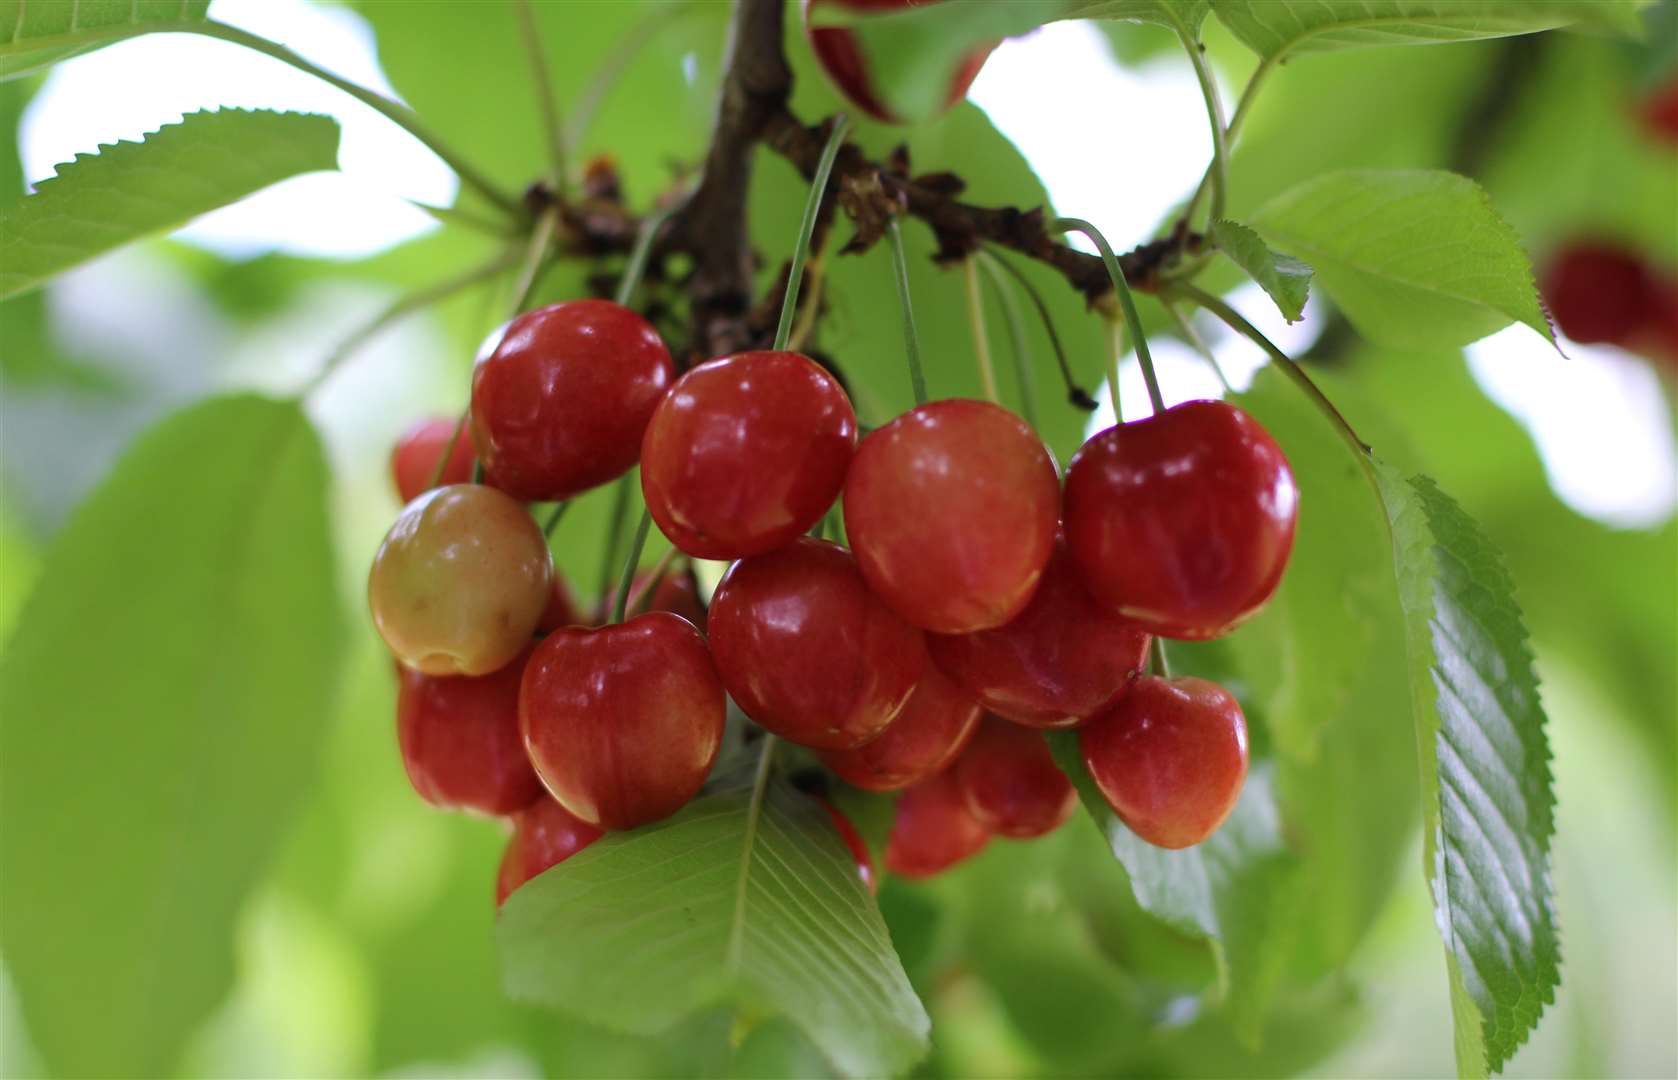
(1595, 414)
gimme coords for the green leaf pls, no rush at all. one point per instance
(1487, 801)
(1276, 28)
(1416, 258)
(128, 190)
(35, 33)
(732, 901)
(166, 693)
(1287, 280)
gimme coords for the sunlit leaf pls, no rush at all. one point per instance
(36, 33)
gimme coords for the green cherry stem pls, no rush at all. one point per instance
(552, 126)
(614, 530)
(1161, 666)
(554, 517)
(1218, 170)
(535, 259)
(976, 322)
(1192, 336)
(660, 568)
(1076, 394)
(1115, 351)
(627, 580)
(641, 254)
(911, 339)
(1016, 336)
(801, 248)
(1243, 109)
(1127, 303)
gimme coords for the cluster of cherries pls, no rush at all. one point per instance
(978, 604)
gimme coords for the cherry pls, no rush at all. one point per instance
(460, 740)
(933, 829)
(562, 608)
(836, 48)
(560, 404)
(1659, 113)
(413, 460)
(1170, 758)
(1011, 782)
(854, 843)
(545, 834)
(926, 736)
(676, 592)
(460, 581)
(622, 722)
(1182, 522)
(746, 453)
(1056, 663)
(1600, 293)
(807, 651)
(951, 509)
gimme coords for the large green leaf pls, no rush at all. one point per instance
(1276, 28)
(128, 190)
(35, 33)
(745, 898)
(165, 695)
(1415, 257)
(1485, 764)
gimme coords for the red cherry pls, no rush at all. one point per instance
(951, 510)
(562, 609)
(1182, 522)
(622, 722)
(413, 460)
(545, 834)
(1011, 782)
(1599, 293)
(836, 47)
(746, 453)
(853, 842)
(1170, 758)
(1059, 661)
(933, 829)
(926, 736)
(460, 740)
(677, 592)
(560, 404)
(807, 651)
(1659, 112)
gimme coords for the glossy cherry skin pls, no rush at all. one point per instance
(933, 829)
(836, 47)
(545, 834)
(1600, 293)
(561, 402)
(1182, 522)
(927, 735)
(1056, 663)
(746, 453)
(413, 460)
(1011, 782)
(562, 608)
(807, 651)
(854, 844)
(622, 722)
(1170, 757)
(460, 740)
(460, 581)
(951, 510)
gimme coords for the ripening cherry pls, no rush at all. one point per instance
(622, 722)
(1011, 782)
(927, 735)
(837, 49)
(853, 843)
(951, 510)
(1058, 662)
(746, 453)
(1170, 758)
(1600, 293)
(413, 460)
(933, 829)
(460, 581)
(545, 834)
(1182, 522)
(807, 651)
(460, 740)
(560, 403)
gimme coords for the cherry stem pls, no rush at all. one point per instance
(815, 270)
(1076, 394)
(911, 339)
(1218, 170)
(641, 254)
(652, 579)
(1127, 303)
(976, 321)
(535, 257)
(612, 68)
(614, 531)
(1192, 336)
(1242, 109)
(448, 451)
(1156, 651)
(554, 515)
(812, 208)
(1016, 336)
(1117, 350)
(627, 580)
(477, 470)
(543, 84)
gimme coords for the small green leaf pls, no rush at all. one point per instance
(1487, 803)
(1286, 279)
(1416, 258)
(729, 902)
(166, 693)
(128, 190)
(35, 33)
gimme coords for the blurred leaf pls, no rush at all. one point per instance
(1487, 799)
(165, 696)
(727, 902)
(42, 32)
(1414, 257)
(128, 190)
(1286, 280)
(774, 1050)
